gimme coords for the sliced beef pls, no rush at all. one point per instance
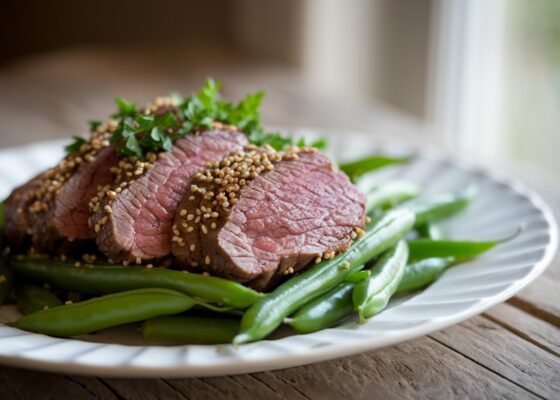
(261, 215)
(67, 216)
(136, 224)
(18, 219)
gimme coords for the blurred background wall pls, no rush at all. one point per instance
(482, 75)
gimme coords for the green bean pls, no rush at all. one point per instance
(195, 330)
(31, 298)
(355, 169)
(431, 231)
(440, 206)
(267, 313)
(420, 274)
(390, 194)
(95, 280)
(373, 294)
(324, 311)
(460, 250)
(358, 276)
(105, 312)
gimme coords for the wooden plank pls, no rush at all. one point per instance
(540, 333)
(24, 384)
(420, 369)
(505, 354)
(542, 297)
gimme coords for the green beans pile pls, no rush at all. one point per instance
(403, 250)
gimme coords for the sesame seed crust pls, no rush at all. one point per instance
(212, 198)
(214, 191)
(53, 180)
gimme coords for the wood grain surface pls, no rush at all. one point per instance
(512, 351)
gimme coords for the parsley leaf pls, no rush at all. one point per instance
(138, 133)
(126, 109)
(93, 125)
(75, 145)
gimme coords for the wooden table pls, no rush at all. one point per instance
(511, 351)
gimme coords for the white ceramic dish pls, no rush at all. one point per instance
(502, 205)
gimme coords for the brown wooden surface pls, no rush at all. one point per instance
(511, 351)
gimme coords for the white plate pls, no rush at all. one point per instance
(502, 206)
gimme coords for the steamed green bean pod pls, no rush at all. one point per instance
(372, 295)
(187, 329)
(105, 312)
(96, 280)
(390, 194)
(439, 206)
(31, 298)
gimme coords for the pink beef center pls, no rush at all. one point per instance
(293, 211)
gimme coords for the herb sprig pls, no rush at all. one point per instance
(138, 133)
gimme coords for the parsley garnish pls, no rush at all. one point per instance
(138, 133)
(75, 145)
(93, 125)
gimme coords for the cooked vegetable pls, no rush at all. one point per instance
(196, 330)
(355, 169)
(431, 231)
(422, 273)
(105, 312)
(31, 298)
(390, 194)
(267, 313)
(95, 280)
(372, 295)
(440, 206)
(460, 250)
(358, 276)
(324, 311)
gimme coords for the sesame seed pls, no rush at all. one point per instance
(204, 229)
(207, 260)
(213, 225)
(183, 212)
(190, 217)
(190, 229)
(193, 247)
